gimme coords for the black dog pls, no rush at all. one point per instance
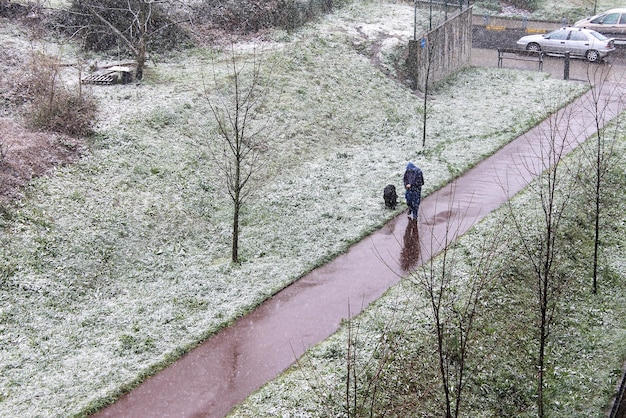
(390, 196)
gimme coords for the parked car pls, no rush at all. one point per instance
(611, 22)
(585, 43)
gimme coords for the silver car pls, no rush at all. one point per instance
(612, 21)
(586, 43)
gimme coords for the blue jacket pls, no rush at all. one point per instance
(413, 176)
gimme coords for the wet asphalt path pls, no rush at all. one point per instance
(224, 370)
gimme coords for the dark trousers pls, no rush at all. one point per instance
(413, 199)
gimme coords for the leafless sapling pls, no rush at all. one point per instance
(539, 230)
(369, 389)
(602, 156)
(455, 289)
(236, 105)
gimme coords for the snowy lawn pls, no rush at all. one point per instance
(113, 267)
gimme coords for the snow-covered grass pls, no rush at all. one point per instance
(111, 268)
(393, 346)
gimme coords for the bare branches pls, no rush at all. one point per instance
(541, 242)
(236, 106)
(602, 156)
(138, 25)
(455, 287)
(94, 11)
(372, 382)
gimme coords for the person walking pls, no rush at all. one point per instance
(413, 182)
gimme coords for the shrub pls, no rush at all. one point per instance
(65, 112)
(248, 16)
(530, 5)
(49, 104)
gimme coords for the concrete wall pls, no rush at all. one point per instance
(443, 51)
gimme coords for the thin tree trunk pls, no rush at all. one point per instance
(443, 369)
(540, 410)
(235, 243)
(541, 360)
(428, 66)
(596, 238)
(140, 58)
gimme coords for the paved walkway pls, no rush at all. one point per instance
(224, 370)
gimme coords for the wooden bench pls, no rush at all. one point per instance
(520, 55)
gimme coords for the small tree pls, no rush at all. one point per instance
(426, 56)
(365, 388)
(430, 46)
(372, 383)
(423, 51)
(541, 243)
(236, 108)
(601, 104)
(455, 288)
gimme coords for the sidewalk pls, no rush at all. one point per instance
(224, 370)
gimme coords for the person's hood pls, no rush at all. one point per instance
(411, 166)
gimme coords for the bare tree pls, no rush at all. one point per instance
(420, 58)
(430, 47)
(236, 105)
(431, 57)
(601, 156)
(372, 382)
(455, 289)
(364, 386)
(541, 242)
(133, 23)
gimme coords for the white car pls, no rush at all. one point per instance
(586, 43)
(612, 21)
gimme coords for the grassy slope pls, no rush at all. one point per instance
(116, 264)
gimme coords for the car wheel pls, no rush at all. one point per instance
(533, 47)
(592, 55)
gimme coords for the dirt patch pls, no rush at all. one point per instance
(25, 155)
(396, 70)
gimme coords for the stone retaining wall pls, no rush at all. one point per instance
(442, 51)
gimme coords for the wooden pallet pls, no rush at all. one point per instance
(102, 79)
(113, 75)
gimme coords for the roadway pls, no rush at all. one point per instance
(504, 33)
